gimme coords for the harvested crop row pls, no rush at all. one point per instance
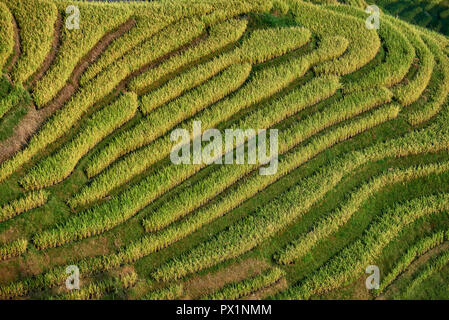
(59, 165)
(16, 95)
(97, 289)
(437, 96)
(100, 87)
(352, 261)
(363, 43)
(262, 85)
(237, 290)
(13, 249)
(150, 19)
(36, 20)
(30, 201)
(335, 220)
(127, 204)
(219, 37)
(95, 21)
(400, 54)
(172, 292)
(6, 35)
(433, 139)
(225, 176)
(418, 249)
(269, 219)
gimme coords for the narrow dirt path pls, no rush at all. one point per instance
(35, 118)
(51, 55)
(17, 50)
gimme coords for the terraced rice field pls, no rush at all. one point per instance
(432, 14)
(86, 177)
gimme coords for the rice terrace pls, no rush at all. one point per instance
(224, 149)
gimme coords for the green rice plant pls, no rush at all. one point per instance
(335, 220)
(56, 167)
(36, 20)
(286, 39)
(261, 85)
(6, 35)
(255, 49)
(219, 37)
(418, 249)
(356, 3)
(263, 45)
(227, 9)
(438, 96)
(330, 47)
(100, 87)
(130, 140)
(436, 264)
(399, 56)
(13, 249)
(351, 262)
(151, 18)
(432, 139)
(172, 292)
(198, 194)
(271, 218)
(280, 6)
(184, 82)
(97, 289)
(97, 20)
(444, 14)
(17, 94)
(409, 15)
(237, 290)
(163, 119)
(127, 204)
(363, 43)
(410, 91)
(30, 201)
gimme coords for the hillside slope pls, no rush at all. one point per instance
(87, 178)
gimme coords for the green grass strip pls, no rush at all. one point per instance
(240, 289)
(6, 35)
